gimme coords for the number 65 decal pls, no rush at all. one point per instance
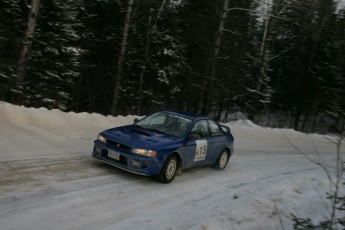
(201, 150)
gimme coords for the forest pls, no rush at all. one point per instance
(281, 63)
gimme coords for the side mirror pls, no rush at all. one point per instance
(193, 137)
(136, 120)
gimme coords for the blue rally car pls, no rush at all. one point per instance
(164, 143)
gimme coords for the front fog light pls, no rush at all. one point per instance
(135, 163)
(97, 149)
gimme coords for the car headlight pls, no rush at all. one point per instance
(145, 152)
(101, 139)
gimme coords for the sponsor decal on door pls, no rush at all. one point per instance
(201, 150)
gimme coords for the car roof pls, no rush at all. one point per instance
(186, 114)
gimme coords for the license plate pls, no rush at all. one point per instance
(114, 155)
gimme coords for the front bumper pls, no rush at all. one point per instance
(126, 160)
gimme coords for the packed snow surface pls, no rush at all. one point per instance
(48, 179)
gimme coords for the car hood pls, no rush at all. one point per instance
(137, 137)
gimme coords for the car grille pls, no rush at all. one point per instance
(118, 145)
(123, 160)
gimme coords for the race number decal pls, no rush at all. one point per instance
(201, 150)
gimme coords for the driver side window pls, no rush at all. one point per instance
(201, 128)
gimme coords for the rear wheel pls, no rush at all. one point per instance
(222, 160)
(169, 169)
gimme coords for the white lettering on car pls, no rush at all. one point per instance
(201, 150)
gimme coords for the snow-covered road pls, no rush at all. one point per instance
(48, 179)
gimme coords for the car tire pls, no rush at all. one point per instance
(222, 160)
(169, 169)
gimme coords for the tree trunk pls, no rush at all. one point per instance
(297, 119)
(317, 32)
(150, 28)
(264, 50)
(147, 49)
(119, 73)
(209, 80)
(25, 49)
(263, 80)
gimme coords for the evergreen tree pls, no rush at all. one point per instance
(281, 57)
(100, 35)
(53, 63)
(333, 105)
(303, 40)
(200, 25)
(155, 58)
(216, 41)
(12, 23)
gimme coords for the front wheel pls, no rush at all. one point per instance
(169, 169)
(222, 160)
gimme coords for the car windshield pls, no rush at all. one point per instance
(166, 123)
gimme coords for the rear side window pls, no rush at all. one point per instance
(215, 130)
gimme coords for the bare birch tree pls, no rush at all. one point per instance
(264, 48)
(120, 62)
(26, 46)
(151, 28)
(211, 73)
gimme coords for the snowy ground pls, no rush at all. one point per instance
(48, 179)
